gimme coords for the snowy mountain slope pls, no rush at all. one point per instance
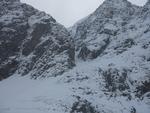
(107, 21)
(117, 35)
(32, 42)
(80, 86)
(121, 32)
(112, 72)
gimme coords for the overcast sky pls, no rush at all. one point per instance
(67, 12)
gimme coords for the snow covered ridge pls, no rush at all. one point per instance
(112, 58)
(112, 21)
(32, 42)
(117, 29)
(115, 41)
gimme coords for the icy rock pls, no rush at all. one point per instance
(34, 40)
(83, 106)
(127, 27)
(106, 22)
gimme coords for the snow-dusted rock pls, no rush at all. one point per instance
(107, 22)
(114, 77)
(32, 42)
(124, 67)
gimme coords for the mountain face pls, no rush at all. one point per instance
(114, 42)
(32, 42)
(94, 33)
(110, 52)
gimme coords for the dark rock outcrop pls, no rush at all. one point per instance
(115, 79)
(83, 106)
(86, 53)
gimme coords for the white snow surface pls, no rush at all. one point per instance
(57, 94)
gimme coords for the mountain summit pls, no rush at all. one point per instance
(105, 22)
(103, 60)
(116, 38)
(32, 42)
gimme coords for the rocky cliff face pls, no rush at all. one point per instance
(112, 72)
(116, 38)
(95, 32)
(32, 42)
